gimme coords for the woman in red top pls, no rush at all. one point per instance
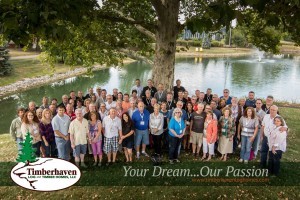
(209, 135)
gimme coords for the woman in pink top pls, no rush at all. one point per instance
(209, 135)
(277, 144)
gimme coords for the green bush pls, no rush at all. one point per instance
(5, 67)
(215, 43)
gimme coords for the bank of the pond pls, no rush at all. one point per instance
(215, 52)
(29, 83)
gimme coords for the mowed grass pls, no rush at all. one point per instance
(30, 68)
(291, 115)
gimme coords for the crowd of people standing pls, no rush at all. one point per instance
(152, 117)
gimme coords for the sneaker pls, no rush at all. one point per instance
(138, 155)
(176, 160)
(145, 154)
(99, 164)
(246, 161)
(83, 165)
(95, 163)
(171, 162)
(241, 160)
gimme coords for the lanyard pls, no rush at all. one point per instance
(142, 116)
(160, 94)
(148, 101)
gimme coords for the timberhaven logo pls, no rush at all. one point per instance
(43, 174)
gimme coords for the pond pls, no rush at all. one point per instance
(276, 75)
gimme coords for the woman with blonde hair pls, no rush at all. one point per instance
(226, 127)
(156, 125)
(30, 124)
(176, 132)
(47, 133)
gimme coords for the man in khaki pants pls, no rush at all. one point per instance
(196, 129)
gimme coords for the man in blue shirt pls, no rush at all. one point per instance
(250, 102)
(140, 119)
(226, 96)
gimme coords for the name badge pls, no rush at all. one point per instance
(35, 132)
(180, 131)
(223, 130)
(245, 129)
(142, 123)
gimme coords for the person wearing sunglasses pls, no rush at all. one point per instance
(176, 133)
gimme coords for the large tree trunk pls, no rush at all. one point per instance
(166, 35)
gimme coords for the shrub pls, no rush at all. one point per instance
(5, 67)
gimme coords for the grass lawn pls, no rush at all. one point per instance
(291, 115)
(20, 52)
(30, 68)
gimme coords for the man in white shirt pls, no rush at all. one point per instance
(110, 103)
(79, 132)
(138, 87)
(266, 128)
(112, 129)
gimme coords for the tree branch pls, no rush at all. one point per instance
(137, 26)
(135, 56)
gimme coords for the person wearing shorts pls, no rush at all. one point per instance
(95, 137)
(196, 129)
(141, 119)
(79, 132)
(112, 129)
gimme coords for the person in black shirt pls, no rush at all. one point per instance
(208, 96)
(147, 98)
(150, 87)
(181, 98)
(65, 101)
(177, 88)
(269, 102)
(170, 101)
(127, 137)
(89, 95)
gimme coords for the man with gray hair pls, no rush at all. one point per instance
(141, 119)
(112, 129)
(65, 101)
(109, 102)
(132, 108)
(79, 132)
(266, 128)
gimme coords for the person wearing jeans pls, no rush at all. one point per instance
(61, 123)
(248, 127)
(267, 127)
(176, 133)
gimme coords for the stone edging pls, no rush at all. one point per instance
(29, 83)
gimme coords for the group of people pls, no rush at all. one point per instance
(152, 117)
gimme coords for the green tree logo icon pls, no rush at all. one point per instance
(27, 155)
